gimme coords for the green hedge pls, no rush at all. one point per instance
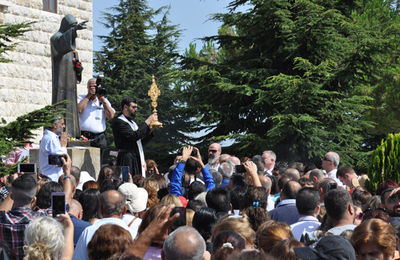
(385, 162)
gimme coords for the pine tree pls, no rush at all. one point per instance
(7, 33)
(137, 47)
(288, 77)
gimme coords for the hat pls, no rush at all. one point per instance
(85, 176)
(328, 247)
(136, 198)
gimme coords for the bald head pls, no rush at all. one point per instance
(112, 204)
(76, 209)
(184, 243)
(330, 161)
(234, 160)
(293, 173)
(290, 190)
(224, 157)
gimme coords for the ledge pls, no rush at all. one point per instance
(5, 3)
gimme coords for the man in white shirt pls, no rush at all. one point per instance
(307, 203)
(112, 208)
(330, 163)
(93, 109)
(269, 161)
(54, 142)
(340, 210)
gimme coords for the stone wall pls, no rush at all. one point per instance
(25, 83)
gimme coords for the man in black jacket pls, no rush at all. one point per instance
(129, 137)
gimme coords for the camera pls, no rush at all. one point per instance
(194, 152)
(99, 89)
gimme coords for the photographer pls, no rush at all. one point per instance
(93, 109)
(186, 163)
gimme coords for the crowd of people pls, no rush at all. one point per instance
(223, 208)
(228, 208)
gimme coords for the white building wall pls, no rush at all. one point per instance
(25, 83)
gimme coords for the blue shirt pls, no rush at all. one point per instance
(285, 211)
(50, 144)
(79, 226)
(81, 252)
(176, 180)
(304, 224)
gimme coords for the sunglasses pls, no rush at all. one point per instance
(212, 151)
(326, 159)
(394, 198)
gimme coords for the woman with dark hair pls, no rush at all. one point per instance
(257, 215)
(106, 173)
(204, 220)
(89, 200)
(284, 249)
(226, 243)
(43, 198)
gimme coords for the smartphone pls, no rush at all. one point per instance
(332, 185)
(57, 203)
(27, 168)
(125, 173)
(55, 159)
(240, 168)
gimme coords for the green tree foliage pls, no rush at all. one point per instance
(7, 33)
(381, 37)
(291, 76)
(137, 47)
(385, 162)
(15, 133)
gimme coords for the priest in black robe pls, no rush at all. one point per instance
(66, 70)
(129, 138)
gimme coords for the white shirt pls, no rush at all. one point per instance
(50, 144)
(93, 118)
(214, 167)
(81, 252)
(127, 218)
(332, 175)
(303, 225)
(271, 203)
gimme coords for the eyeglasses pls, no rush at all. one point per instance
(326, 159)
(212, 151)
(134, 107)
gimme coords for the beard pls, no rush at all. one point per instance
(213, 160)
(59, 130)
(395, 211)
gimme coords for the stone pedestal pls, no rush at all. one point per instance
(86, 158)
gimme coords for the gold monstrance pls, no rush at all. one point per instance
(153, 93)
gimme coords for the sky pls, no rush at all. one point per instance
(192, 16)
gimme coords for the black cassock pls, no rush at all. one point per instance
(125, 141)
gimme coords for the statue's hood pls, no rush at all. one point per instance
(67, 22)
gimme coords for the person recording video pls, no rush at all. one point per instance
(93, 109)
(54, 142)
